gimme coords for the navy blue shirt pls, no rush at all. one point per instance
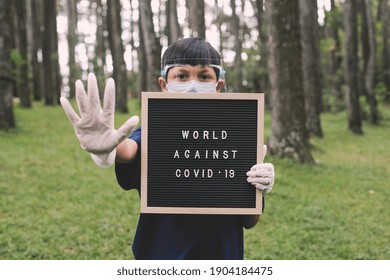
(180, 236)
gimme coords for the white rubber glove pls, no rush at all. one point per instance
(262, 175)
(95, 126)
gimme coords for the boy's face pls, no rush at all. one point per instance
(186, 73)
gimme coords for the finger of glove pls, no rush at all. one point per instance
(260, 174)
(262, 169)
(93, 94)
(81, 98)
(262, 166)
(73, 117)
(260, 180)
(126, 128)
(109, 101)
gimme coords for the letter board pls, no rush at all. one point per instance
(196, 149)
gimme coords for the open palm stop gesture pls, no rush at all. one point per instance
(95, 126)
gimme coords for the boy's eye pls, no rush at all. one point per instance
(181, 76)
(205, 77)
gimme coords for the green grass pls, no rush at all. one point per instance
(337, 209)
(56, 204)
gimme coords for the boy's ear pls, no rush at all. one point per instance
(220, 85)
(163, 84)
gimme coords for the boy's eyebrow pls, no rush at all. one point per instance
(199, 72)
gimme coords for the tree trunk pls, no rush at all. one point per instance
(22, 69)
(263, 79)
(385, 51)
(370, 70)
(335, 61)
(350, 26)
(196, 18)
(142, 58)
(7, 119)
(289, 135)
(50, 54)
(117, 53)
(173, 28)
(151, 48)
(135, 59)
(311, 66)
(99, 61)
(46, 55)
(365, 48)
(36, 7)
(218, 21)
(238, 65)
(54, 56)
(72, 41)
(131, 41)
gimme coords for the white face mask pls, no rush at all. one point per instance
(191, 86)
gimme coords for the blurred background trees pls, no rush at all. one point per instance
(308, 57)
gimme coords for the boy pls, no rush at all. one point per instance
(189, 64)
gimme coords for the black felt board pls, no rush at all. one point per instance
(196, 150)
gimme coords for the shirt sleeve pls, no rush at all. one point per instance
(128, 174)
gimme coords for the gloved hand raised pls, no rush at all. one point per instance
(95, 126)
(262, 175)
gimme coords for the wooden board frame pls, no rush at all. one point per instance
(146, 96)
